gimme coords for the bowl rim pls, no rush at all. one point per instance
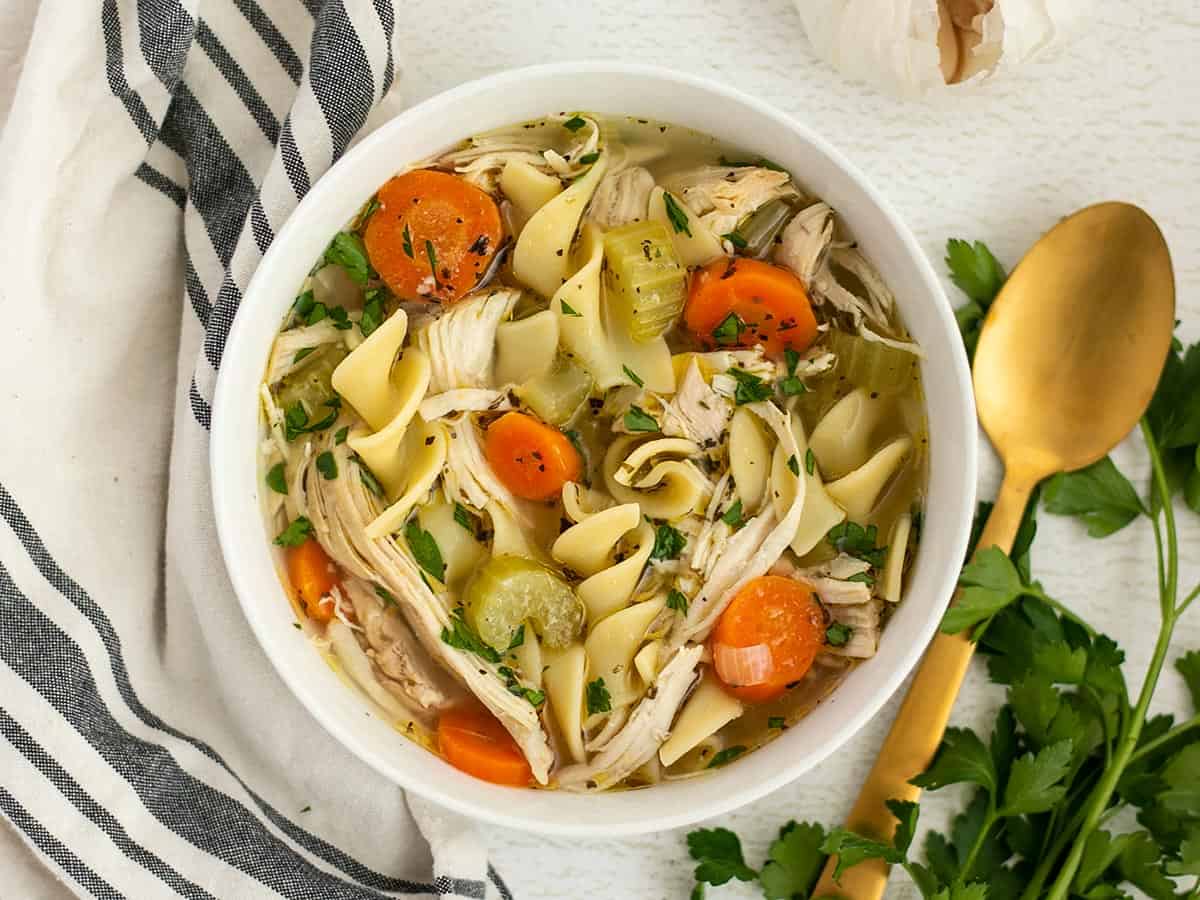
(229, 508)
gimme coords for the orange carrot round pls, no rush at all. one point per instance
(780, 615)
(743, 302)
(313, 574)
(433, 236)
(473, 741)
(532, 459)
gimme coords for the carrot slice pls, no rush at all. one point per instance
(743, 302)
(433, 236)
(313, 574)
(473, 741)
(782, 615)
(532, 459)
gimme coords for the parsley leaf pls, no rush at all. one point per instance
(1174, 413)
(677, 601)
(729, 331)
(793, 465)
(425, 549)
(725, 756)
(574, 123)
(296, 533)
(513, 684)
(776, 722)
(461, 636)
(668, 542)
(962, 757)
(810, 461)
(370, 482)
(276, 480)
(980, 277)
(792, 386)
(386, 596)
(373, 312)
(676, 215)
(1033, 785)
(1188, 666)
(598, 698)
(733, 515)
(633, 376)
(852, 538)
(719, 854)
(792, 359)
(339, 436)
(588, 158)
(637, 419)
(347, 250)
(794, 861)
(464, 518)
(851, 849)
(837, 634)
(568, 310)
(990, 583)
(518, 638)
(1099, 495)
(431, 255)
(736, 239)
(302, 353)
(408, 245)
(327, 465)
(750, 388)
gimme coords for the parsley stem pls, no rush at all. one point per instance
(1187, 601)
(1166, 737)
(1133, 728)
(988, 822)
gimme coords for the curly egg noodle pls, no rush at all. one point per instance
(613, 492)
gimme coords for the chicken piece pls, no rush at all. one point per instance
(622, 197)
(339, 510)
(648, 726)
(863, 621)
(461, 343)
(486, 155)
(401, 663)
(805, 241)
(722, 195)
(696, 412)
(829, 580)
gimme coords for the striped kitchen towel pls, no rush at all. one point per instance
(150, 150)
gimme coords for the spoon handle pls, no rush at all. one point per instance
(917, 730)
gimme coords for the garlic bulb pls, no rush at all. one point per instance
(921, 47)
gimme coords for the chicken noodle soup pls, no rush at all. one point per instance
(596, 452)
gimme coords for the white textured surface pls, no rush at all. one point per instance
(1115, 116)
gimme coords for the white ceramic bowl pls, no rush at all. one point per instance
(730, 116)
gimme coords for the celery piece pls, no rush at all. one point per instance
(646, 284)
(509, 590)
(556, 395)
(312, 383)
(871, 365)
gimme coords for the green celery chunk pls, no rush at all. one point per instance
(646, 284)
(871, 365)
(311, 384)
(510, 590)
(556, 395)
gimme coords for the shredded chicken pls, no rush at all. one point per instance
(339, 510)
(486, 155)
(621, 198)
(804, 243)
(461, 343)
(447, 403)
(829, 580)
(294, 341)
(648, 726)
(696, 412)
(863, 621)
(722, 196)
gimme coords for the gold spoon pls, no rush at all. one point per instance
(1067, 362)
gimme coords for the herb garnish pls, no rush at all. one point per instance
(633, 376)
(568, 310)
(339, 436)
(514, 686)
(852, 538)
(728, 755)
(793, 465)
(598, 698)
(837, 634)
(327, 465)
(302, 353)
(729, 331)
(431, 255)
(296, 533)
(425, 549)
(668, 542)
(296, 421)
(777, 722)
(461, 636)
(733, 515)
(276, 479)
(676, 215)
(637, 419)
(761, 162)
(386, 596)
(406, 237)
(574, 123)
(464, 518)
(736, 239)
(980, 277)
(373, 312)
(677, 600)
(588, 158)
(347, 250)
(750, 388)
(810, 461)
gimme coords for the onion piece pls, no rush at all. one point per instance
(743, 666)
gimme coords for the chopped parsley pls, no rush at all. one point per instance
(633, 376)
(370, 482)
(464, 518)
(373, 312)
(514, 686)
(303, 306)
(340, 318)
(777, 722)
(588, 158)
(793, 465)
(327, 466)
(598, 698)
(852, 538)
(810, 461)
(837, 634)
(668, 542)
(301, 354)
(862, 578)
(386, 596)
(791, 386)
(730, 330)
(461, 636)
(431, 255)
(574, 123)
(339, 436)
(733, 515)
(728, 755)
(424, 549)
(296, 419)
(677, 600)
(792, 358)
(408, 247)
(276, 480)
(676, 215)
(518, 638)
(347, 250)
(296, 533)
(750, 388)
(761, 162)
(568, 310)
(736, 239)
(637, 419)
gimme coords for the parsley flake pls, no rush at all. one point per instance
(837, 634)
(810, 461)
(276, 479)
(733, 515)
(668, 542)
(568, 310)
(729, 331)
(327, 465)
(347, 250)
(676, 215)
(461, 636)
(296, 533)
(407, 239)
(633, 376)
(677, 601)
(726, 756)
(793, 465)
(574, 123)
(750, 388)
(425, 549)
(464, 518)
(637, 419)
(598, 698)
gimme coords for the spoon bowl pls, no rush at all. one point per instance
(1071, 349)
